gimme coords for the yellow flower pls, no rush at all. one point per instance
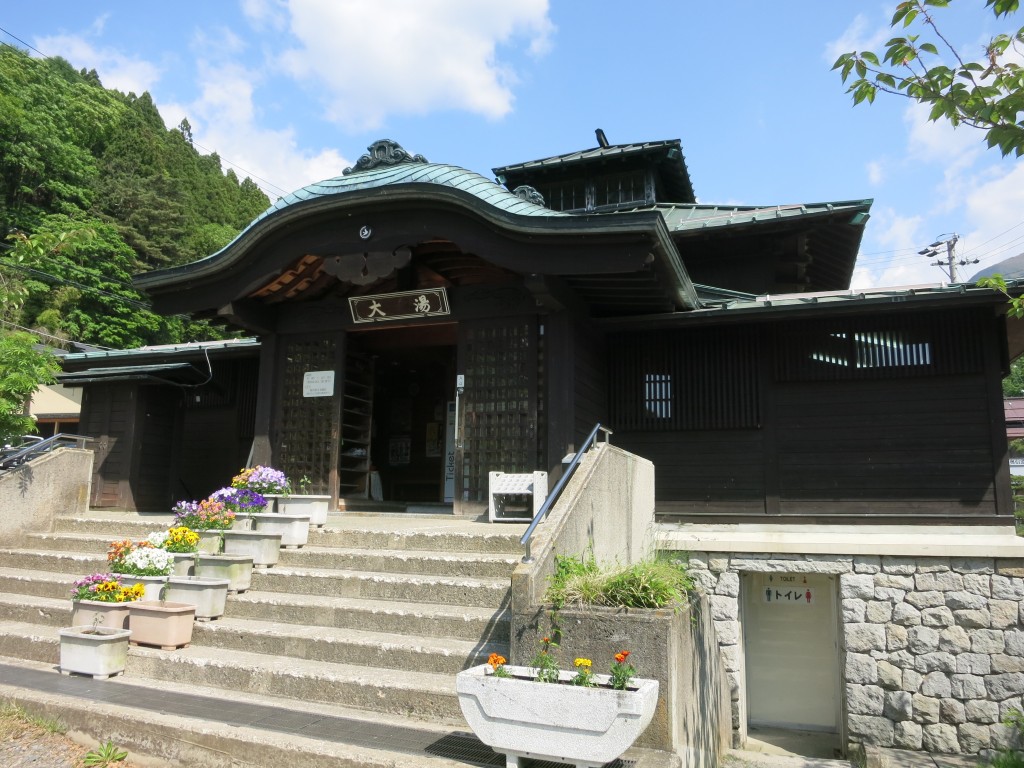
(583, 663)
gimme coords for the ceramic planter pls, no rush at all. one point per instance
(99, 652)
(237, 569)
(263, 547)
(210, 542)
(294, 529)
(99, 614)
(184, 563)
(586, 727)
(154, 585)
(209, 596)
(306, 504)
(162, 624)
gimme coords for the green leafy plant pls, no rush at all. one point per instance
(584, 675)
(544, 662)
(652, 583)
(104, 755)
(622, 671)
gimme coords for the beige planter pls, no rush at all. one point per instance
(210, 542)
(95, 613)
(184, 563)
(209, 596)
(263, 547)
(161, 624)
(306, 504)
(293, 529)
(237, 569)
(99, 652)
(154, 585)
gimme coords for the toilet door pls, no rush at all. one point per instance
(791, 650)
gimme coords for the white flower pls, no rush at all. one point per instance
(158, 538)
(147, 557)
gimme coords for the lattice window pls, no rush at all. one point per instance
(684, 380)
(878, 347)
(499, 420)
(304, 434)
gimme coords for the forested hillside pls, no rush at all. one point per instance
(77, 156)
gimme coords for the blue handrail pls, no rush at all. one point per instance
(549, 502)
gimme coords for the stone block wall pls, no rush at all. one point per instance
(933, 647)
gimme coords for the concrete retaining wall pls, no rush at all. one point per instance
(676, 648)
(33, 494)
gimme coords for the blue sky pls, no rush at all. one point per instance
(293, 91)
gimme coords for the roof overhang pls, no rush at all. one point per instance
(178, 374)
(620, 253)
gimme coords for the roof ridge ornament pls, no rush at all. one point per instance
(383, 152)
(529, 194)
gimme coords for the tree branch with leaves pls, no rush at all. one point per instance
(987, 93)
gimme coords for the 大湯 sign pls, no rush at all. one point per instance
(404, 305)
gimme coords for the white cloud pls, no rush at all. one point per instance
(876, 172)
(372, 58)
(861, 35)
(116, 70)
(995, 211)
(902, 236)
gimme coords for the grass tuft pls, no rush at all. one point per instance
(653, 583)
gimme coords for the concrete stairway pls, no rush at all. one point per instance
(375, 615)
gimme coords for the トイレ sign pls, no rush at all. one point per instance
(404, 305)
(786, 589)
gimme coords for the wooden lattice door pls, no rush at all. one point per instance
(499, 428)
(307, 433)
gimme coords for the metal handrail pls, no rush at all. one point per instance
(61, 439)
(549, 502)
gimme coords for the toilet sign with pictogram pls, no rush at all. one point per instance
(786, 589)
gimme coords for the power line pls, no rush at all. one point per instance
(30, 47)
(51, 336)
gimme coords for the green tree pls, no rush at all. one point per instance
(23, 367)
(987, 93)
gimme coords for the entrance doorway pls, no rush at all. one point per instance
(791, 654)
(412, 380)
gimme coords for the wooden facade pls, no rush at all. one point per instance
(421, 326)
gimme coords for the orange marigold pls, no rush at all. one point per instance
(621, 656)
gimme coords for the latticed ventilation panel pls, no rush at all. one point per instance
(499, 426)
(304, 435)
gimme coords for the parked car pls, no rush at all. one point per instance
(13, 452)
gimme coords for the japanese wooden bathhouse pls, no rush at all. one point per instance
(420, 325)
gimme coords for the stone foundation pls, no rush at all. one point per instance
(933, 655)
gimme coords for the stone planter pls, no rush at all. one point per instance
(184, 563)
(99, 652)
(264, 548)
(209, 596)
(161, 624)
(237, 569)
(272, 500)
(95, 613)
(154, 585)
(293, 529)
(210, 542)
(306, 504)
(586, 727)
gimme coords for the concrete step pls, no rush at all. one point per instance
(35, 583)
(75, 564)
(30, 609)
(482, 593)
(473, 564)
(400, 651)
(124, 526)
(413, 618)
(423, 695)
(194, 725)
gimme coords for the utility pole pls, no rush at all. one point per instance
(950, 264)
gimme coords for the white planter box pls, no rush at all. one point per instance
(210, 541)
(154, 585)
(209, 596)
(184, 563)
(306, 504)
(586, 727)
(263, 547)
(237, 569)
(97, 651)
(293, 529)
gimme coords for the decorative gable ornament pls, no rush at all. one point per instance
(383, 152)
(529, 194)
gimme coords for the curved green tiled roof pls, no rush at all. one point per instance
(442, 174)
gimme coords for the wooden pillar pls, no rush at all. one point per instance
(262, 447)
